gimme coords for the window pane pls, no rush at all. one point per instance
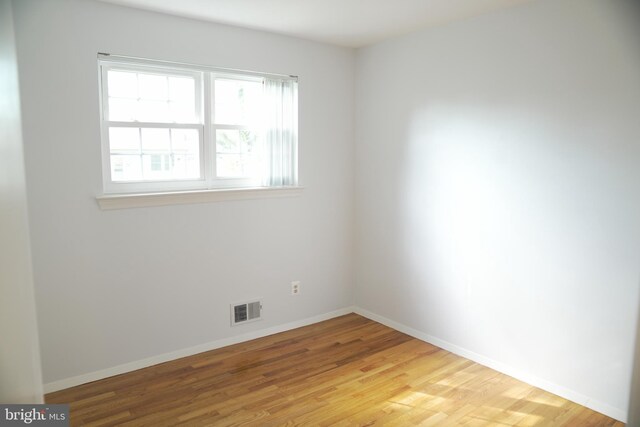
(125, 168)
(237, 153)
(156, 141)
(181, 89)
(155, 98)
(124, 140)
(154, 154)
(185, 141)
(228, 141)
(122, 109)
(185, 144)
(236, 141)
(238, 102)
(122, 84)
(153, 111)
(249, 141)
(170, 154)
(182, 99)
(159, 162)
(229, 166)
(252, 166)
(186, 166)
(156, 161)
(182, 112)
(153, 87)
(156, 167)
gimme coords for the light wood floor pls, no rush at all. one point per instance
(345, 371)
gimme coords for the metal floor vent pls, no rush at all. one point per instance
(246, 312)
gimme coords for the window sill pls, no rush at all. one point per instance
(143, 200)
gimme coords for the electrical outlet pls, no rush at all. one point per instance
(295, 288)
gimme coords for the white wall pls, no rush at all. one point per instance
(115, 287)
(633, 418)
(497, 187)
(20, 374)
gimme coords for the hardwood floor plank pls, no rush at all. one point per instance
(345, 371)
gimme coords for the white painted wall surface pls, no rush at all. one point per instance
(633, 419)
(115, 287)
(20, 373)
(497, 188)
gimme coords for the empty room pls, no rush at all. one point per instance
(320, 212)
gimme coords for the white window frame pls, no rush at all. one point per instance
(115, 187)
(205, 95)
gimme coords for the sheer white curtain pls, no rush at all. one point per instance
(281, 133)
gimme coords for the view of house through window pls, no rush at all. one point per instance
(173, 127)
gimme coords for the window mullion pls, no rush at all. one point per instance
(141, 156)
(236, 127)
(209, 133)
(159, 125)
(104, 128)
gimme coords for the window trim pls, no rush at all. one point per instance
(204, 77)
(143, 200)
(186, 66)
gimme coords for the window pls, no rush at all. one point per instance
(172, 127)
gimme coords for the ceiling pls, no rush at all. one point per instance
(349, 23)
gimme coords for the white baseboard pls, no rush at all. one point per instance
(545, 385)
(166, 357)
